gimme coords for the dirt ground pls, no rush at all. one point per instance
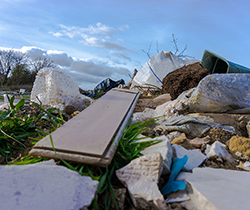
(183, 79)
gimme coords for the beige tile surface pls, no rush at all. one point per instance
(91, 131)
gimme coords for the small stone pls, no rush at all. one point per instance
(198, 142)
(75, 113)
(246, 166)
(69, 109)
(242, 124)
(182, 141)
(241, 118)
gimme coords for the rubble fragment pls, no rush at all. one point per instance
(213, 189)
(218, 149)
(141, 177)
(239, 144)
(195, 157)
(182, 141)
(54, 88)
(151, 103)
(165, 148)
(44, 186)
(246, 166)
(221, 93)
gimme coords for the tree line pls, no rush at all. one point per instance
(16, 68)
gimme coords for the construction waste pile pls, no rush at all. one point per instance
(201, 111)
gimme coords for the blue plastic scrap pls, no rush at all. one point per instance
(172, 185)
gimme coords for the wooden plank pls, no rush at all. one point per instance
(89, 134)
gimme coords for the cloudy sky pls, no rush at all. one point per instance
(95, 39)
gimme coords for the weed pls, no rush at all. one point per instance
(15, 129)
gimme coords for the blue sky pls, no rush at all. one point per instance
(95, 39)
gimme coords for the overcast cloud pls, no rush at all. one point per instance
(91, 71)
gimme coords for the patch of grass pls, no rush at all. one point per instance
(16, 129)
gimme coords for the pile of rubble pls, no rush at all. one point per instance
(203, 159)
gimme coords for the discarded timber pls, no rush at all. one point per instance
(92, 136)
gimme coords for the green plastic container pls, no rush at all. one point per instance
(216, 64)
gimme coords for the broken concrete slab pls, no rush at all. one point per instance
(42, 186)
(195, 157)
(141, 177)
(218, 189)
(87, 138)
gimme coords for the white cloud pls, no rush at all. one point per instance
(124, 28)
(57, 34)
(98, 36)
(34, 52)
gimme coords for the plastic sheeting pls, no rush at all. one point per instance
(153, 71)
(107, 85)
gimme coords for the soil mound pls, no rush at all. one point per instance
(183, 79)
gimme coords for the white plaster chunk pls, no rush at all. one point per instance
(165, 148)
(141, 177)
(171, 108)
(42, 187)
(195, 157)
(56, 89)
(218, 149)
(219, 189)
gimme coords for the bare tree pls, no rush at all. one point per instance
(40, 63)
(148, 53)
(8, 60)
(181, 54)
(174, 41)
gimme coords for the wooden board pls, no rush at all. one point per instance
(87, 136)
